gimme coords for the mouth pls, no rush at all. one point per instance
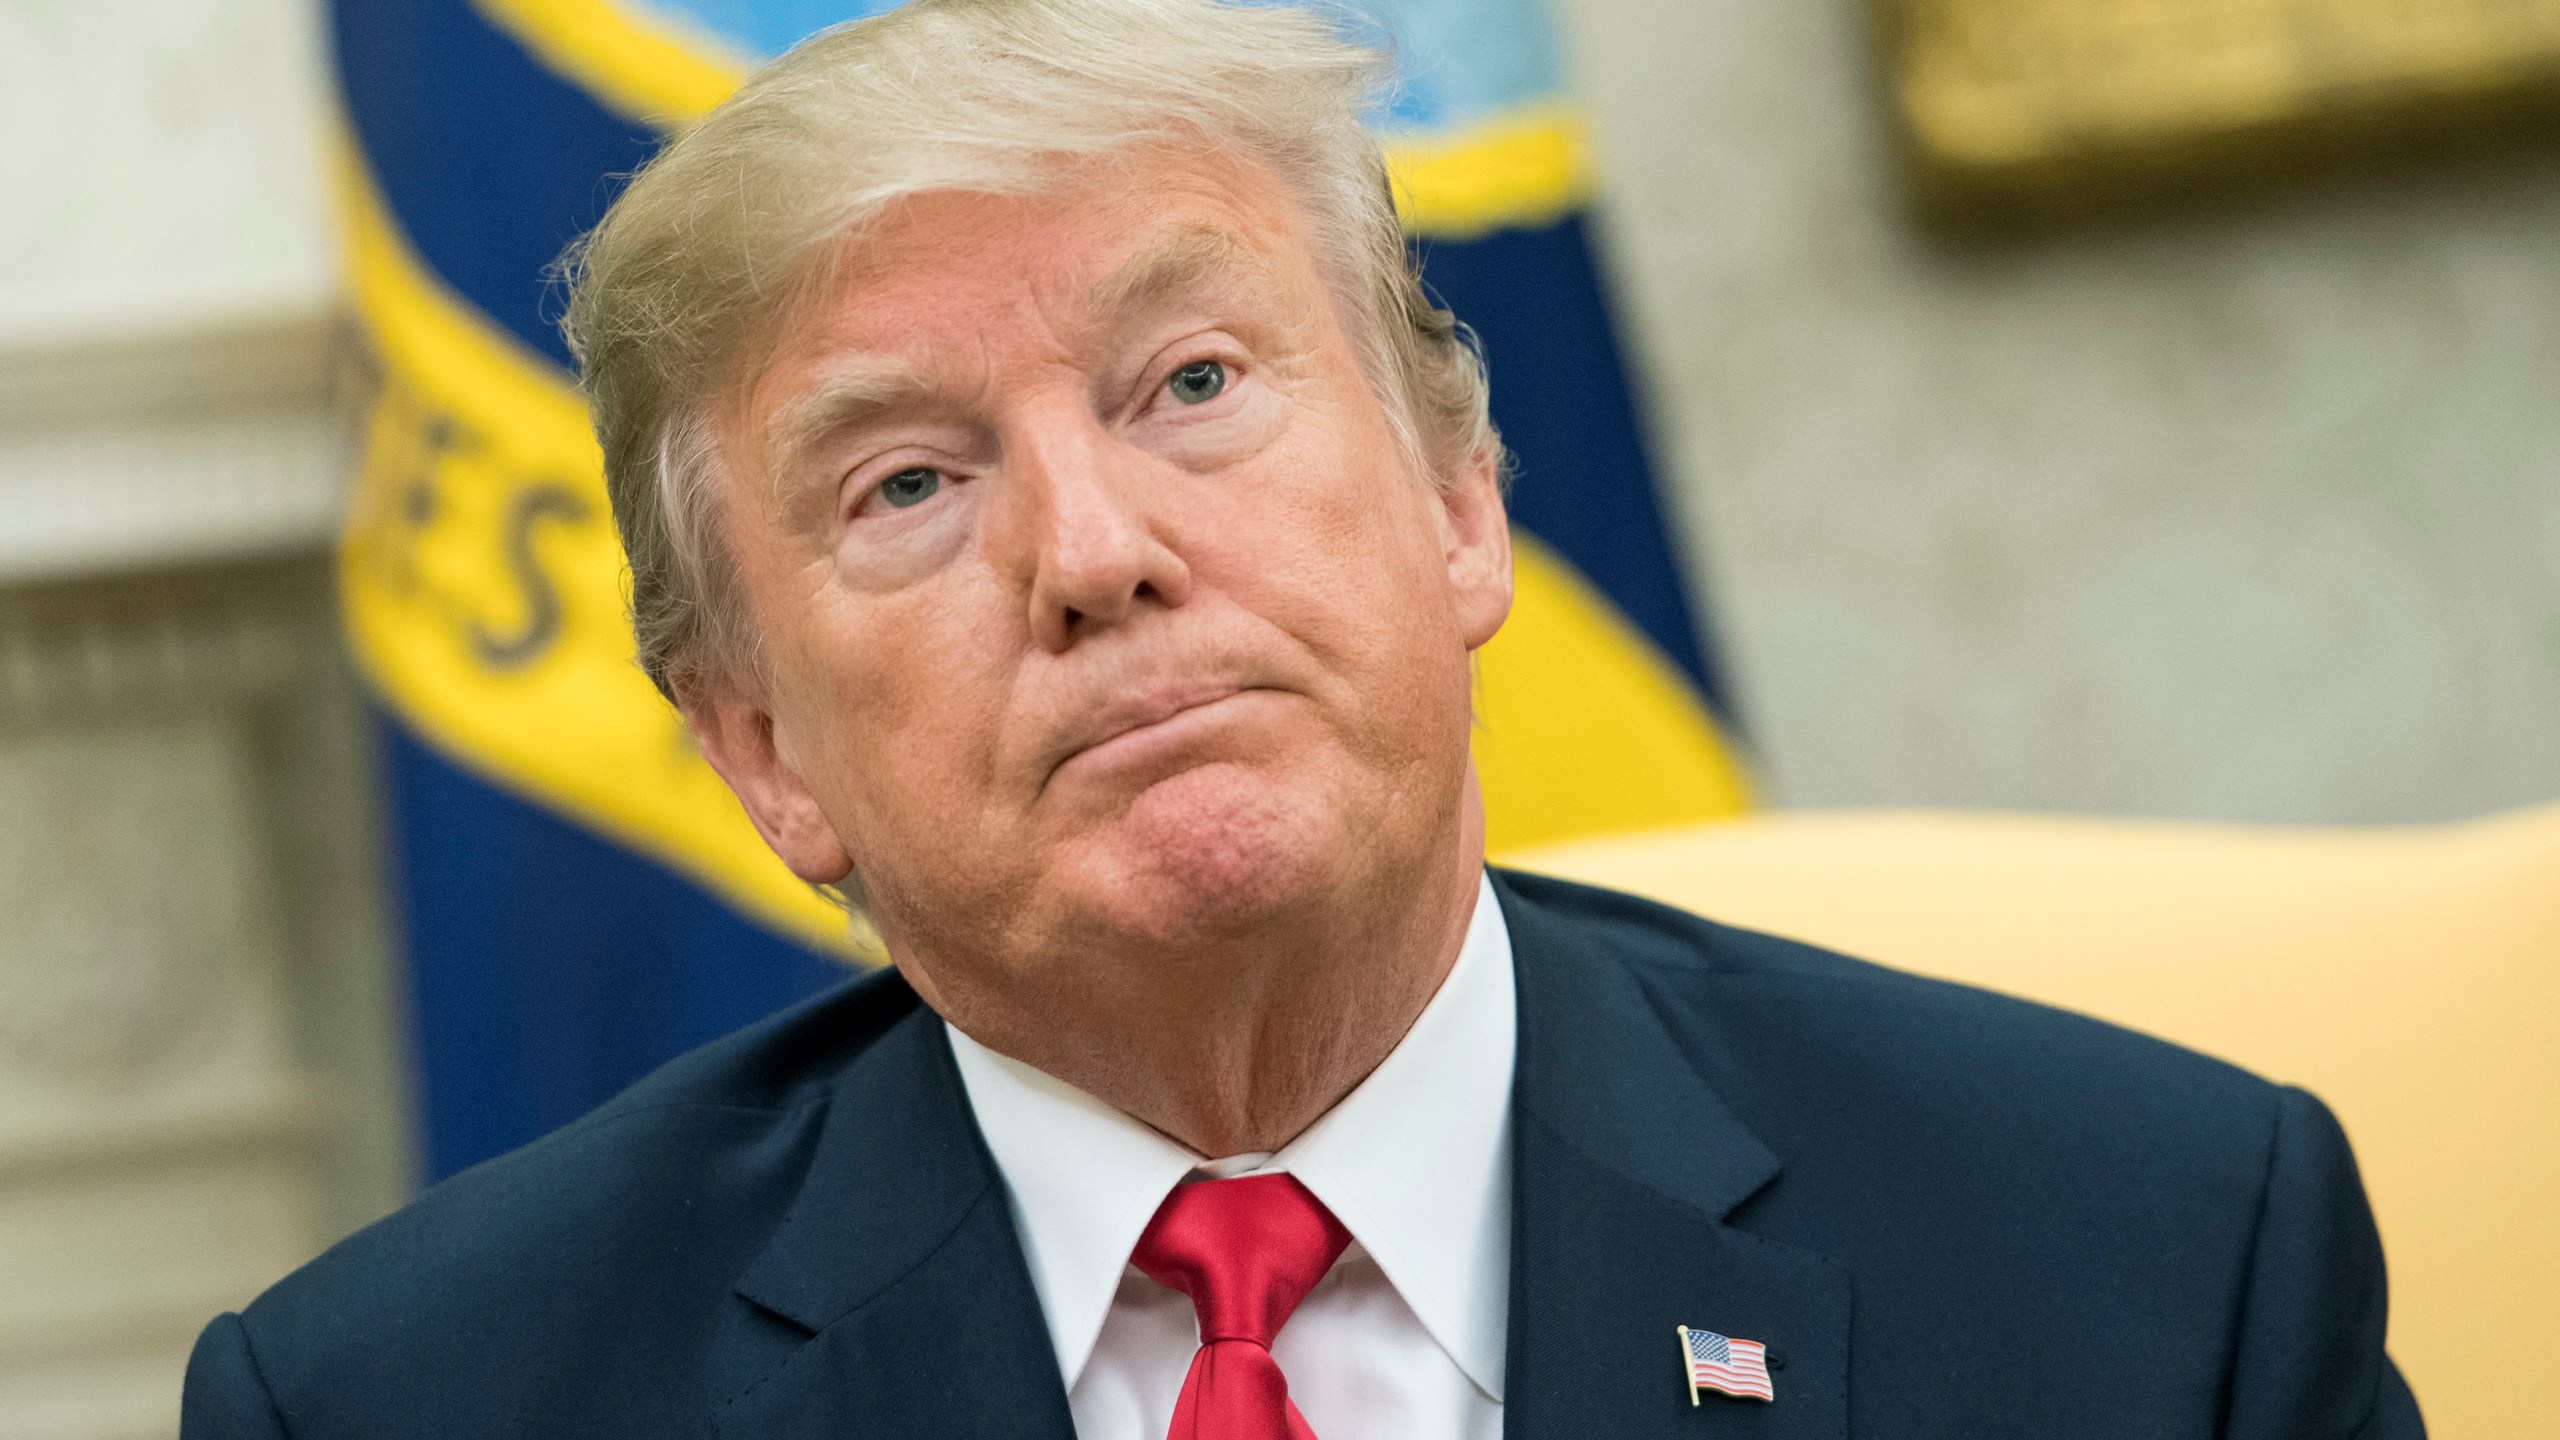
(1152, 731)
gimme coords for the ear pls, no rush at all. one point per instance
(736, 735)
(1475, 538)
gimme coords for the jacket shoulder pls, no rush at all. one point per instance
(2049, 1198)
(1782, 1027)
(623, 1229)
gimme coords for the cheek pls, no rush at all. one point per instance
(1340, 551)
(904, 693)
(1362, 528)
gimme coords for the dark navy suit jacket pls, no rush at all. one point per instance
(1946, 1214)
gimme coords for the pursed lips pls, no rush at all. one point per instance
(1129, 714)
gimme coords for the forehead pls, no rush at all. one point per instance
(1109, 239)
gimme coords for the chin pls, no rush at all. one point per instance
(1214, 850)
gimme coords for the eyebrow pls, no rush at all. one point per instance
(1182, 264)
(848, 397)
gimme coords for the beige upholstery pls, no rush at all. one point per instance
(2410, 977)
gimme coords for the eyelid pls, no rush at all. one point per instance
(864, 491)
(1194, 351)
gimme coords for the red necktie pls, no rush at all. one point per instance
(1246, 1252)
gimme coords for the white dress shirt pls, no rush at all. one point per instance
(1403, 1338)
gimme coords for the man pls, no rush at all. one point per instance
(1064, 522)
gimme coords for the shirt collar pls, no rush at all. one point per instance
(1415, 1162)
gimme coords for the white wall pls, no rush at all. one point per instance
(161, 158)
(199, 1077)
(2251, 515)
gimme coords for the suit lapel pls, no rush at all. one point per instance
(893, 1299)
(1625, 1167)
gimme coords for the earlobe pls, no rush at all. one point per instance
(1477, 539)
(737, 736)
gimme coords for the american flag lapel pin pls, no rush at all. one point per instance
(1739, 1368)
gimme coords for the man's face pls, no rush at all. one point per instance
(1101, 607)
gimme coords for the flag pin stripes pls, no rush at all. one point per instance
(1739, 1368)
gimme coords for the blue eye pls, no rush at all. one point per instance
(1198, 382)
(910, 487)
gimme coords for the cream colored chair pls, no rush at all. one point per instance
(2410, 977)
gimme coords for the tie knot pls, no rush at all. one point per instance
(1246, 1252)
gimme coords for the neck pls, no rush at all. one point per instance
(1236, 1047)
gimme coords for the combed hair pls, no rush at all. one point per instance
(745, 213)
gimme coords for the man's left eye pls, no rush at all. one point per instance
(1198, 382)
(910, 487)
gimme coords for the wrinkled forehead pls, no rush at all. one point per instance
(1107, 249)
(1103, 234)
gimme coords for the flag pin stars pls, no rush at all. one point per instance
(1739, 1368)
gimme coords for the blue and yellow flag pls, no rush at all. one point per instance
(582, 898)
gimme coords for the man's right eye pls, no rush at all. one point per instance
(910, 487)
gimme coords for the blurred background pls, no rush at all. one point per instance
(2132, 408)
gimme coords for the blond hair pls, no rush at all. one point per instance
(720, 234)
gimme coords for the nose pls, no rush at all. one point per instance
(1089, 532)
